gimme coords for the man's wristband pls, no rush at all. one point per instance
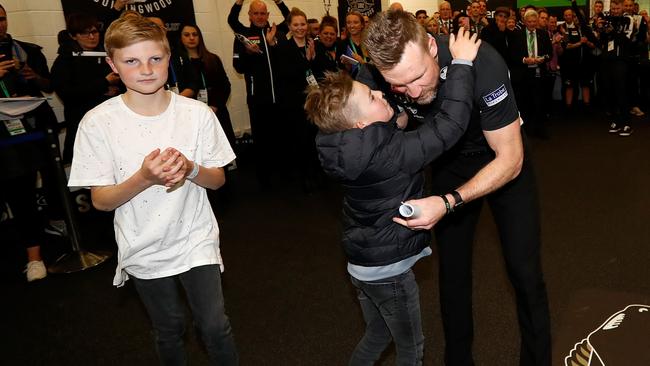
(448, 207)
(194, 172)
(458, 199)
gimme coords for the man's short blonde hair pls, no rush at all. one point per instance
(327, 106)
(132, 28)
(388, 34)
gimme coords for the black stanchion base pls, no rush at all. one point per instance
(78, 261)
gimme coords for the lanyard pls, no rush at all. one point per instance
(4, 89)
(354, 49)
(203, 80)
(531, 44)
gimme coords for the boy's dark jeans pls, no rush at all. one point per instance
(391, 309)
(163, 300)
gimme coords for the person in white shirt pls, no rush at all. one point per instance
(149, 155)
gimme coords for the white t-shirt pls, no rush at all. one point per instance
(159, 232)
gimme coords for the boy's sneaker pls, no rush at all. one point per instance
(636, 111)
(56, 227)
(35, 270)
(613, 128)
(625, 132)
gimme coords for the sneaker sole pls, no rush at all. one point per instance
(625, 134)
(54, 232)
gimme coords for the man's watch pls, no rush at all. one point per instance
(458, 199)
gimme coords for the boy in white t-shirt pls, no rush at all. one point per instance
(149, 155)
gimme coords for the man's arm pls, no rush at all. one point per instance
(233, 17)
(284, 10)
(507, 144)
(508, 147)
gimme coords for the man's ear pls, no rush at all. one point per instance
(111, 64)
(433, 47)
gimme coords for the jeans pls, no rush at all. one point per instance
(162, 299)
(391, 310)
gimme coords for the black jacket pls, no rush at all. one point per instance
(380, 166)
(259, 69)
(519, 49)
(79, 81)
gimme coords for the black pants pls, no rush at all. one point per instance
(19, 194)
(164, 303)
(515, 209)
(614, 79)
(267, 128)
(533, 102)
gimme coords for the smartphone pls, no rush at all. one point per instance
(348, 60)
(5, 49)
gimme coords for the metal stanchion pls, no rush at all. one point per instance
(79, 259)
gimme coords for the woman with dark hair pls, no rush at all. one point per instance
(80, 78)
(214, 86)
(326, 47)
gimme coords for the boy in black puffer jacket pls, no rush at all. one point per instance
(379, 166)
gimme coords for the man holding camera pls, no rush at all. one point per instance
(621, 38)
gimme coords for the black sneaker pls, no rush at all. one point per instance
(613, 128)
(625, 132)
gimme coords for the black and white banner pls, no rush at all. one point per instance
(365, 7)
(172, 12)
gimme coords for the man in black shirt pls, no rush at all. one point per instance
(489, 160)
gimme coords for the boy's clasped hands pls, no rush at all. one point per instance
(166, 168)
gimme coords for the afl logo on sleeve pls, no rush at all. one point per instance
(496, 96)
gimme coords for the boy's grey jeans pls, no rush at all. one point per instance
(391, 309)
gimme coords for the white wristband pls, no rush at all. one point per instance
(460, 61)
(194, 172)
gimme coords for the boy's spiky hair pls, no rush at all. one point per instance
(327, 106)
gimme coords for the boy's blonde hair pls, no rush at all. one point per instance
(130, 28)
(327, 106)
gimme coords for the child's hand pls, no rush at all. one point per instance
(464, 46)
(181, 168)
(157, 167)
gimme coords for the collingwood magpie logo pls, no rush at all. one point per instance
(443, 73)
(365, 7)
(622, 340)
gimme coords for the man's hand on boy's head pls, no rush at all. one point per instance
(464, 46)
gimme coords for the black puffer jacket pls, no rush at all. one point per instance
(380, 166)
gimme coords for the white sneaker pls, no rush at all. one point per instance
(625, 132)
(613, 128)
(35, 271)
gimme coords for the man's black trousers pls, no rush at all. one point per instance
(515, 208)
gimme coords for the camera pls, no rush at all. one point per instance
(618, 24)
